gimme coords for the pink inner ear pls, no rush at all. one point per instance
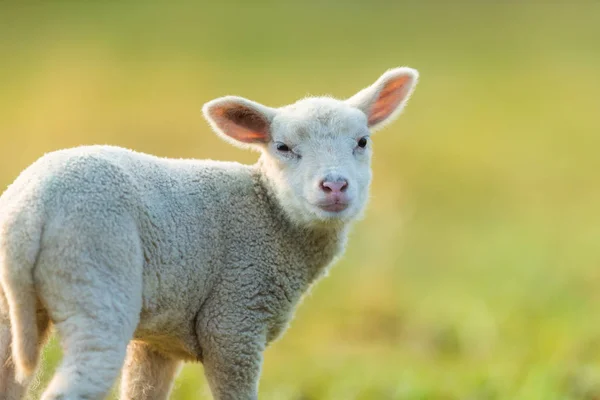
(241, 123)
(389, 99)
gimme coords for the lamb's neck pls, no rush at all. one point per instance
(326, 247)
(318, 247)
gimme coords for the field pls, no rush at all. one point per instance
(475, 274)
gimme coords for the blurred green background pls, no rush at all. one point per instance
(476, 272)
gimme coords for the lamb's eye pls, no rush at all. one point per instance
(362, 142)
(282, 147)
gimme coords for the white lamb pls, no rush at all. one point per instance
(142, 262)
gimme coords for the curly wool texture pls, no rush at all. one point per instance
(145, 262)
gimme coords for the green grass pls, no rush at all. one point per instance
(475, 273)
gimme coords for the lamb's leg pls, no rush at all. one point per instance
(94, 342)
(100, 321)
(233, 369)
(232, 356)
(10, 389)
(90, 279)
(93, 356)
(148, 375)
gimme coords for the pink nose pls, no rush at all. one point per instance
(334, 187)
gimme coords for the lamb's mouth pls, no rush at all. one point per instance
(334, 207)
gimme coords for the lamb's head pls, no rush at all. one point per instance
(316, 153)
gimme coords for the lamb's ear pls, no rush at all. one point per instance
(384, 100)
(239, 121)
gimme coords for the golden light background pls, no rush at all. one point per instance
(476, 271)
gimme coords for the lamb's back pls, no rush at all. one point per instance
(182, 210)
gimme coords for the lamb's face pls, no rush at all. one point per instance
(319, 157)
(316, 152)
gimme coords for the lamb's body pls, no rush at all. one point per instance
(192, 219)
(181, 260)
(210, 252)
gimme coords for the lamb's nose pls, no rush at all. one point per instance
(334, 186)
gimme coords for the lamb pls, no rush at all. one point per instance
(141, 263)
